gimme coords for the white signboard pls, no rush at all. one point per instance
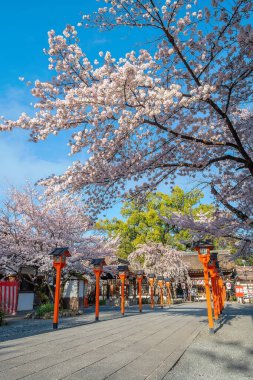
(70, 289)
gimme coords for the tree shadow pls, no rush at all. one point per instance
(229, 362)
(27, 328)
(230, 312)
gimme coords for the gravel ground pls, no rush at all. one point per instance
(228, 354)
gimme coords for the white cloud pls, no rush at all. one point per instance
(22, 160)
(14, 101)
(20, 164)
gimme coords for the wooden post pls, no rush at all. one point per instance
(122, 278)
(213, 275)
(215, 297)
(97, 274)
(57, 267)
(140, 293)
(160, 283)
(208, 298)
(151, 284)
(168, 293)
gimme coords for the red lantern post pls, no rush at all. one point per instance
(59, 256)
(213, 274)
(161, 283)
(139, 275)
(122, 275)
(97, 269)
(203, 249)
(151, 280)
(167, 284)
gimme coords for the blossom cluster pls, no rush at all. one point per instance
(180, 107)
(160, 260)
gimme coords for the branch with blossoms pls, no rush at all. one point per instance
(182, 107)
(219, 225)
(32, 226)
(161, 260)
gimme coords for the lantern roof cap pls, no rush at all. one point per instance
(140, 272)
(151, 275)
(167, 279)
(64, 251)
(203, 244)
(159, 278)
(99, 261)
(122, 268)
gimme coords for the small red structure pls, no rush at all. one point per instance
(85, 300)
(239, 292)
(9, 296)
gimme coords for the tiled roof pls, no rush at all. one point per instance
(244, 273)
(191, 259)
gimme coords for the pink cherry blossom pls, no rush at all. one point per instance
(180, 106)
(161, 260)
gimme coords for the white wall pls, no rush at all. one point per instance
(70, 289)
(81, 289)
(25, 301)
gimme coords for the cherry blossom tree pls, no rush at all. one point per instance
(227, 229)
(180, 107)
(33, 225)
(161, 260)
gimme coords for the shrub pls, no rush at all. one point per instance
(43, 297)
(45, 308)
(1, 317)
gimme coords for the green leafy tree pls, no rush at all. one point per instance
(141, 222)
(248, 261)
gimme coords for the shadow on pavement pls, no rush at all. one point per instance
(18, 327)
(24, 328)
(231, 364)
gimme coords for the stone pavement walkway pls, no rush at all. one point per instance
(172, 343)
(139, 346)
(227, 355)
(18, 327)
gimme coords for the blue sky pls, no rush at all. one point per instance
(23, 35)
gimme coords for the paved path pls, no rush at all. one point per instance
(18, 327)
(168, 344)
(139, 346)
(227, 355)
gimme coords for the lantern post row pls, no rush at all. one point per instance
(211, 266)
(59, 256)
